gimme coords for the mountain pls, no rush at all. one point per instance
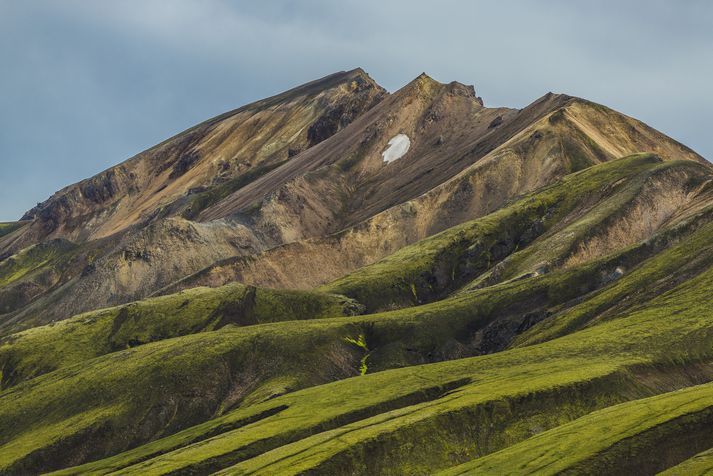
(193, 168)
(342, 280)
(329, 210)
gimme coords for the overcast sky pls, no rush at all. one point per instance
(87, 84)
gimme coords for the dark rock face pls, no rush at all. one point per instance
(101, 188)
(32, 213)
(52, 215)
(534, 231)
(136, 255)
(344, 111)
(499, 334)
(67, 207)
(496, 122)
(326, 125)
(184, 164)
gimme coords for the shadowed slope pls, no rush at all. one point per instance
(699, 465)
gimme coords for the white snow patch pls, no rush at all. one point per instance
(398, 146)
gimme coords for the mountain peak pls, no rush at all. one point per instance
(467, 90)
(318, 109)
(361, 76)
(424, 77)
(358, 71)
(423, 84)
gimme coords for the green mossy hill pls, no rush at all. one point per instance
(421, 419)
(30, 259)
(685, 258)
(187, 380)
(699, 465)
(43, 349)
(618, 209)
(639, 437)
(434, 267)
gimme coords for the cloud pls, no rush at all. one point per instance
(88, 84)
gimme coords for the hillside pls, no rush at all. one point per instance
(375, 283)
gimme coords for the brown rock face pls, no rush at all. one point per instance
(552, 137)
(350, 166)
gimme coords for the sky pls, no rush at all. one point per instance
(86, 84)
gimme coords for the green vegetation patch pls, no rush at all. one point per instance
(343, 424)
(30, 259)
(43, 349)
(360, 342)
(639, 437)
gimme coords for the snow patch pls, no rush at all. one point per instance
(397, 148)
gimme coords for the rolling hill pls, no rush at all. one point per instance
(342, 280)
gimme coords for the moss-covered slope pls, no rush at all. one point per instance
(163, 385)
(419, 419)
(639, 437)
(43, 349)
(8, 227)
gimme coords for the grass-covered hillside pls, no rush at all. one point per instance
(569, 331)
(43, 349)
